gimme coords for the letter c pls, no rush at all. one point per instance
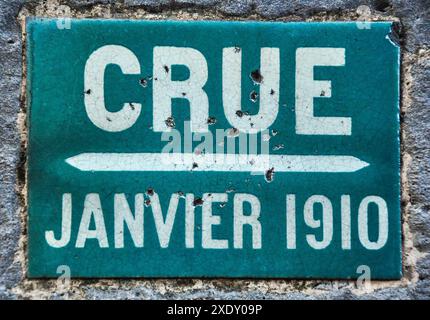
(94, 88)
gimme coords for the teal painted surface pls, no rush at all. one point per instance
(365, 89)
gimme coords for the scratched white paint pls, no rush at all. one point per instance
(165, 222)
(94, 88)
(213, 162)
(307, 89)
(269, 89)
(192, 88)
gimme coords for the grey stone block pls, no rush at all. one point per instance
(147, 3)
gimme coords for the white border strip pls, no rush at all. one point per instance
(213, 162)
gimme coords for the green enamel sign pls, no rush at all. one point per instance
(213, 149)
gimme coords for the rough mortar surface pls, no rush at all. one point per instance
(414, 39)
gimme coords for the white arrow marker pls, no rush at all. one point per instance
(213, 162)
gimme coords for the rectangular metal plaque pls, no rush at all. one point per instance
(213, 149)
